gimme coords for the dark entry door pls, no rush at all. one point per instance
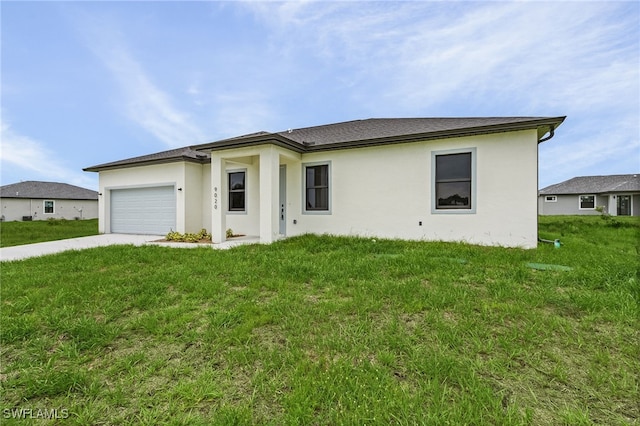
(624, 205)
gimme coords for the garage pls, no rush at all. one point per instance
(148, 210)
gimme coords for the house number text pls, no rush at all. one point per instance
(215, 198)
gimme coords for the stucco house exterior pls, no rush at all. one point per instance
(450, 179)
(618, 195)
(35, 200)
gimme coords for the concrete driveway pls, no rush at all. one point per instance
(51, 247)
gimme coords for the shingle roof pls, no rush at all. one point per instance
(185, 154)
(595, 185)
(46, 190)
(350, 134)
(378, 131)
(381, 128)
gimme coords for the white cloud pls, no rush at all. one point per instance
(34, 161)
(489, 58)
(472, 56)
(149, 106)
(145, 103)
(240, 113)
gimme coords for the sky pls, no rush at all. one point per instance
(85, 83)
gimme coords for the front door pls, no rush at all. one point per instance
(624, 205)
(283, 200)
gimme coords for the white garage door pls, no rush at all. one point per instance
(149, 210)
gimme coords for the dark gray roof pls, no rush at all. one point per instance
(351, 134)
(185, 154)
(595, 185)
(46, 190)
(382, 128)
(379, 131)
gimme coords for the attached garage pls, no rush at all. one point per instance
(147, 210)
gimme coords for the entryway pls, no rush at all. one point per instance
(624, 205)
(283, 201)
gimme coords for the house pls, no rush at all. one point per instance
(34, 200)
(451, 179)
(618, 195)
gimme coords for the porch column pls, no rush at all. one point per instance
(218, 197)
(613, 205)
(269, 192)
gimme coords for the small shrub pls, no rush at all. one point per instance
(604, 215)
(189, 237)
(204, 235)
(173, 236)
(229, 233)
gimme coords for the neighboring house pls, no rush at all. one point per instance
(451, 179)
(34, 200)
(618, 195)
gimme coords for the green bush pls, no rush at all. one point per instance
(203, 235)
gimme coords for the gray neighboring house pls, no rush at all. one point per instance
(618, 195)
(35, 200)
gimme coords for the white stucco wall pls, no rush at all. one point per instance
(387, 191)
(13, 209)
(205, 205)
(193, 197)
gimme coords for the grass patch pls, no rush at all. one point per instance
(19, 233)
(330, 330)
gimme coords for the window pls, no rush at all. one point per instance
(587, 202)
(550, 199)
(316, 177)
(48, 206)
(237, 191)
(454, 183)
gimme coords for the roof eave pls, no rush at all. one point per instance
(103, 167)
(443, 134)
(51, 198)
(273, 139)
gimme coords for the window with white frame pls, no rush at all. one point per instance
(453, 177)
(550, 199)
(49, 206)
(237, 191)
(316, 185)
(587, 202)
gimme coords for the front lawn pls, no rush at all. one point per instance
(327, 330)
(18, 233)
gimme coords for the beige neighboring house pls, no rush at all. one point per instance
(618, 195)
(35, 200)
(449, 179)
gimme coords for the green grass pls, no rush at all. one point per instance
(18, 233)
(330, 330)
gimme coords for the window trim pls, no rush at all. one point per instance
(328, 211)
(229, 190)
(474, 181)
(587, 195)
(44, 206)
(550, 198)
